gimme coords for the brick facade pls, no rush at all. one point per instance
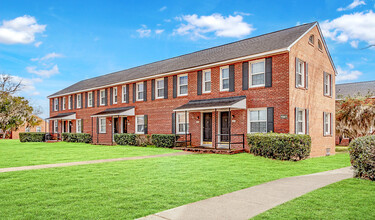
(42, 126)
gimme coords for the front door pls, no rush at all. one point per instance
(124, 125)
(224, 126)
(70, 125)
(207, 127)
(115, 125)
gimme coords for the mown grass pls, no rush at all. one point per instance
(132, 189)
(13, 153)
(347, 199)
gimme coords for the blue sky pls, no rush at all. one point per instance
(53, 44)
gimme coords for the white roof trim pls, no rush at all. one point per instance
(69, 117)
(129, 112)
(238, 105)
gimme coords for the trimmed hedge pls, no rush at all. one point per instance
(280, 146)
(163, 140)
(126, 139)
(77, 137)
(362, 157)
(32, 136)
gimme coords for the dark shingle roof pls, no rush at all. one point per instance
(113, 110)
(61, 115)
(250, 46)
(207, 103)
(354, 89)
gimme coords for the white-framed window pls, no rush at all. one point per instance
(70, 102)
(140, 124)
(27, 129)
(257, 120)
(64, 102)
(224, 78)
(140, 91)
(257, 71)
(56, 103)
(114, 95)
(320, 46)
(89, 99)
(182, 85)
(206, 81)
(327, 84)
(327, 123)
(124, 95)
(55, 126)
(300, 71)
(38, 129)
(79, 100)
(180, 122)
(311, 39)
(102, 97)
(102, 125)
(159, 88)
(301, 121)
(79, 126)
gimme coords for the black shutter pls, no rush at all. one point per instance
(295, 120)
(295, 72)
(245, 75)
(127, 93)
(75, 101)
(60, 103)
(307, 75)
(134, 92)
(53, 126)
(270, 119)
(330, 85)
(199, 82)
(145, 91)
(153, 89)
(231, 78)
(174, 86)
(173, 123)
(165, 87)
(93, 98)
(53, 104)
(71, 101)
(145, 118)
(98, 98)
(97, 125)
(81, 100)
(106, 97)
(268, 76)
(307, 121)
(86, 101)
(111, 96)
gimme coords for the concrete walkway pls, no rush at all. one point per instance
(247, 203)
(43, 166)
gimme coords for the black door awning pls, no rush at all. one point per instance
(236, 102)
(122, 111)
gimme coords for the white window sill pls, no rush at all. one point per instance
(206, 92)
(224, 90)
(257, 86)
(179, 95)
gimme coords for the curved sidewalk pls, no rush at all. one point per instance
(44, 166)
(247, 203)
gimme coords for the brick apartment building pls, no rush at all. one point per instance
(277, 82)
(41, 127)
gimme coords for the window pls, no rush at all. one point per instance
(114, 95)
(224, 78)
(327, 123)
(140, 91)
(79, 125)
(79, 100)
(206, 81)
(300, 73)
(102, 97)
(102, 125)
(55, 128)
(301, 127)
(311, 39)
(257, 73)
(320, 46)
(56, 107)
(159, 88)
(327, 84)
(70, 102)
(257, 121)
(181, 123)
(89, 101)
(124, 96)
(140, 124)
(64, 102)
(38, 129)
(27, 129)
(183, 85)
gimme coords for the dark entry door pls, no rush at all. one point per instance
(124, 125)
(64, 126)
(70, 125)
(115, 125)
(207, 127)
(224, 126)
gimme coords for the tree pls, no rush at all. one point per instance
(355, 116)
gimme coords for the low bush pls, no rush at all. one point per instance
(280, 146)
(163, 140)
(77, 137)
(126, 139)
(32, 136)
(362, 157)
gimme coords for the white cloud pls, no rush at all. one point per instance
(144, 31)
(27, 85)
(241, 13)
(353, 5)
(167, 20)
(354, 43)
(354, 27)
(20, 30)
(351, 66)
(163, 8)
(159, 31)
(347, 74)
(48, 56)
(198, 27)
(37, 44)
(45, 73)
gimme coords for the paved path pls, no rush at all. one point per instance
(43, 166)
(247, 203)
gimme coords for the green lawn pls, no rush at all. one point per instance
(348, 199)
(13, 153)
(132, 189)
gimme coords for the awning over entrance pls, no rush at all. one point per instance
(123, 111)
(233, 103)
(63, 116)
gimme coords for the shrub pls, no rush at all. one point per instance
(32, 136)
(77, 137)
(126, 139)
(362, 157)
(280, 146)
(163, 140)
(143, 140)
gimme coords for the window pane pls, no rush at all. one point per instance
(207, 76)
(160, 92)
(225, 84)
(183, 80)
(300, 127)
(262, 115)
(299, 79)
(207, 86)
(225, 73)
(257, 67)
(300, 116)
(140, 120)
(254, 115)
(183, 89)
(257, 79)
(160, 84)
(263, 127)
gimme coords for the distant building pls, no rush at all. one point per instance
(38, 128)
(354, 89)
